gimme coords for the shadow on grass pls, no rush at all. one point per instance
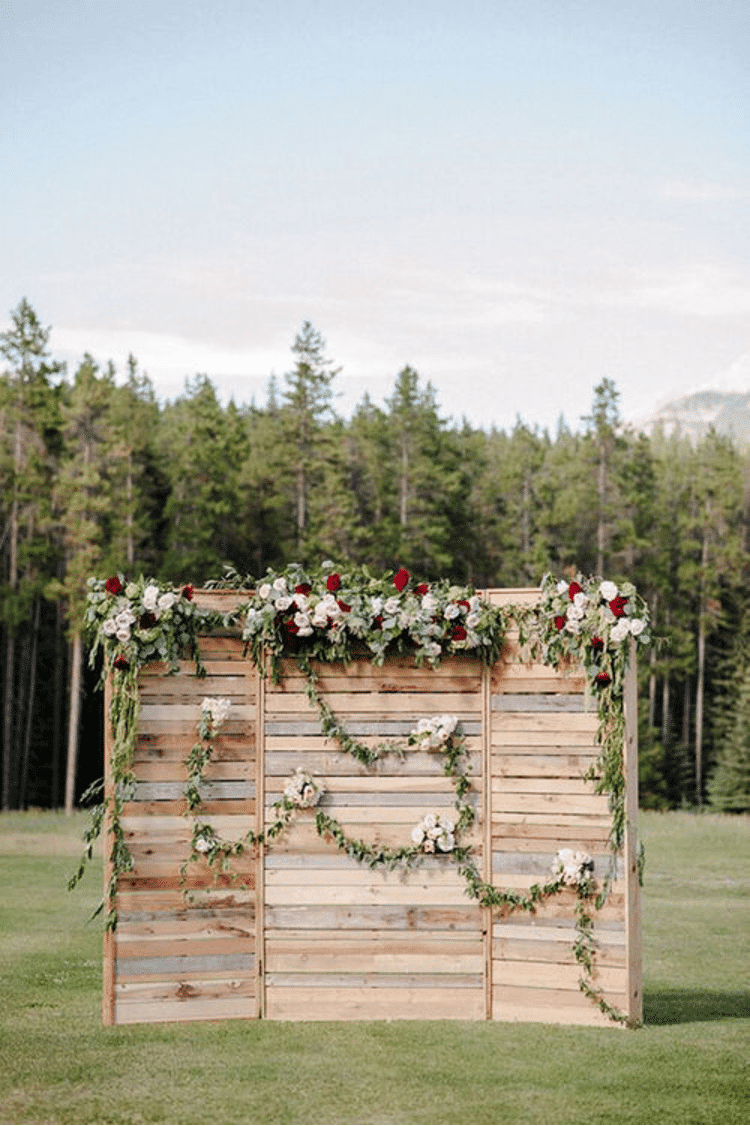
(683, 1006)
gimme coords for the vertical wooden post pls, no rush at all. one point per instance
(260, 824)
(108, 982)
(487, 814)
(632, 894)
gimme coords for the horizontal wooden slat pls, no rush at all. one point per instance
(385, 728)
(458, 918)
(394, 704)
(550, 1006)
(217, 790)
(282, 763)
(554, 975)
(335, 981)
(364, 1003)
(201, 1008)
(184, 964)
(547, 702)
(509, 802)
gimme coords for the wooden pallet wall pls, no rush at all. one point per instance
(307, 933)
(342, 940)
(186, 948)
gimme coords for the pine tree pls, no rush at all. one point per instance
(27, 438)
(82, 502)
(136, 475)
(203, 467)
(432, 487)
(729, 785)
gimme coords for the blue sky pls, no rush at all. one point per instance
(516, 197)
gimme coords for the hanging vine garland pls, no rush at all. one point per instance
(327, 616)
(128, 625)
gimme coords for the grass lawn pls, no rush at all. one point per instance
(689, 1064)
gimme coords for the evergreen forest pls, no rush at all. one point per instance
(98, 477)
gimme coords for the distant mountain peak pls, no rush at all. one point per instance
(693, 415)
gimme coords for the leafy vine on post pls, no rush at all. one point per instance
(128, 625)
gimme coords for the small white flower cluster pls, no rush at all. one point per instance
(572, 867)
(432, 734)
(205, 841)
(119, 624)
(216, 709)
(303, 790)
(434, 833)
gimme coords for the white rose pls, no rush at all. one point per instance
(620, 630)
(264, 590)
(429, 603)
(472, 620)
(446, 842)
(573, 626)
(575, 613)
(150, 595)
(608, 591)
(109, 627)
(452, 611)
(280, 584)
(562, 587)
(123, 634)
(284, 602)
(580, 601)
(416, 834)
(202, 845)
(429, 821)
(637, 626)
(166, 602)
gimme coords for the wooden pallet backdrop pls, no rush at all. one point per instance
(304, 932)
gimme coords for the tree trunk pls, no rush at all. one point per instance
(73, 718)
(403, 514)
(301, 503)
(601, 489)
(129, 519)
(58, 706)
(699, 710)
(666, 719)
(31, 697)
(685, 741)
(699, 688)
(652, 671)
(9, 758)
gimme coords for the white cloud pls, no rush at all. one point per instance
(695, 291)
(706, 192)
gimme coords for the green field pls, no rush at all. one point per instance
(689, 1064)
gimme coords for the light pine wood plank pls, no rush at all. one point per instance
(374, 1004)
(539, 1006)
(163, 1011)
(335, 961)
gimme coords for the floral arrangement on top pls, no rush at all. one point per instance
(141, 621)
(328, 615)
(587, 621)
